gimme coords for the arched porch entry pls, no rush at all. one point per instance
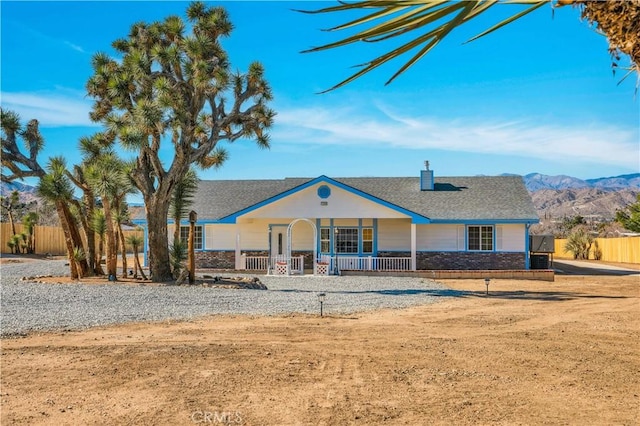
(315, 242)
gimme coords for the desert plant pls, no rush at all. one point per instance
(178, 257)
(11, 244)
(597, 251)
(23, 242)
(14, 243)
(630, 217)
(29, 221)
(136, 241)
(78, 256)
(579, 244)
(171, 82)
(432, 21)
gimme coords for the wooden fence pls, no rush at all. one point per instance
(49, 239)
(620, 250)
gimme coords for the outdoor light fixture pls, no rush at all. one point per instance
(321, 297)
(486, 282)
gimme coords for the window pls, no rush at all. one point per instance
(197, 236)
(325, 240)
(367, 240)
(480, 238)
(347, 240)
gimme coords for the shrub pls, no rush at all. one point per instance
(579, 244)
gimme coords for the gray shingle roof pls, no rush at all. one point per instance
(453, 198)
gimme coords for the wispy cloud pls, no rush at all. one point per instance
(61, 108)
(74, 47)
(47, 39)
(530, 137)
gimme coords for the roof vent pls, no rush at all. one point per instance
(426, 178)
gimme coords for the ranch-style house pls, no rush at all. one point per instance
(326, 225)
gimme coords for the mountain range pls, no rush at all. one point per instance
(537, 181)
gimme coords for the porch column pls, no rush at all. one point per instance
(413, 247)
(238, 254)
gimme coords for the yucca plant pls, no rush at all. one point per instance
(430, 21)
(135, 241)
(77, 257)
(579, 244)
(178, 257)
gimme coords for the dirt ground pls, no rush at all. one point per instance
(532, 352)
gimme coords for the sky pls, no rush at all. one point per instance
(536, 96)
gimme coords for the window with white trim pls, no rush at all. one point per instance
(197, 236)
(480, 238)
(367, 240)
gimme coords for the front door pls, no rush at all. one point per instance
(278, 241)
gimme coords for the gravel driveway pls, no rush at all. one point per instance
(30, 307)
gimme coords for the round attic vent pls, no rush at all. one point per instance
(324, 191)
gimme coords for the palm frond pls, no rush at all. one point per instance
(390, 19)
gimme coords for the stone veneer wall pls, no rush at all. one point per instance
(216, 259)
(425, 260)
(469, 260)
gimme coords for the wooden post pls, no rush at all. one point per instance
(193, 218)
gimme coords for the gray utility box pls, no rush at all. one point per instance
(541, 243)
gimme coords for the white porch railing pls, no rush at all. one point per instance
(372, 263)
(263, 263)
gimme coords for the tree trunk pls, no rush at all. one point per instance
(112, 254)
(12, 222)
(60, 207)
(92, 254)
(76, 239)
(123, 244)
(136, 261)
(99, 254)
(159, 264)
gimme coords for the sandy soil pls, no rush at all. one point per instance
(565, 352)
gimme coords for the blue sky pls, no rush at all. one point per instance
(536, 96)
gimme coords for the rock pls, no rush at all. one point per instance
(236, 282)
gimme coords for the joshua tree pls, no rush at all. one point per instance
(19, 164)
(11, 205)
(107, 177)
(29, 222)
(431, 21)
(57, 188)
(172, 86)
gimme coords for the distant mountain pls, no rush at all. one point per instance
(537, 181)
(594, 203)
(7, 188)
